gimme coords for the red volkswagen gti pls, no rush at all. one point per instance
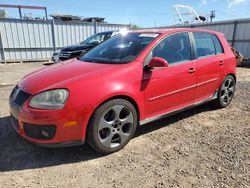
(127, 81)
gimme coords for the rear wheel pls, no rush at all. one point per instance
(226, 92)
(112, 125)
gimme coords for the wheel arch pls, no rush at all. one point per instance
(229, 74)
(233, 75)
(125, 97)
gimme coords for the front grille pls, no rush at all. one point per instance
(65, 54)
(35, 131)
(18, 96)
(15, 122)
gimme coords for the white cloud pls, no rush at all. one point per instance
(234, 2)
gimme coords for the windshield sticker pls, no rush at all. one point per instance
(153, 35)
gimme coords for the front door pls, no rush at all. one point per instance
(173, 87)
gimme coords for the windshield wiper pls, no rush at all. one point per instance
(89, 60)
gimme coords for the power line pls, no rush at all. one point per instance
(133, 13)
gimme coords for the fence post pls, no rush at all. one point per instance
(53, 34)
(234, 32)
(2, 47)
(95, 27)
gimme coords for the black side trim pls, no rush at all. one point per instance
(192, 45)
(63, 144)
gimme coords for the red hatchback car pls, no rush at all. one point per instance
(129, 80)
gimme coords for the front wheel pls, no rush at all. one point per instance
(112, 125)
(226, 92)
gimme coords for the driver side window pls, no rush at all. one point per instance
(175, 48)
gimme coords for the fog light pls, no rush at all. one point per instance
(44, 133)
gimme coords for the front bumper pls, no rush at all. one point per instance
(48, 127)
(55, 57)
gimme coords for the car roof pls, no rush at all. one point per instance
(170, 30)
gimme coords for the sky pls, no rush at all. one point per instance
(144, 13)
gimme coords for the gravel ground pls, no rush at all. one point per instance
(202, 147)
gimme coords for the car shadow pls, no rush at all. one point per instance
(49, 63)
(168, 121)
(19, 154)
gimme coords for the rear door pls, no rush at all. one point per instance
(171, 88)
(209, 64)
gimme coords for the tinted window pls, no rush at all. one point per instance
(175, 48)
(119, 48)
(97, 38)
(204, 44)
(217, 44)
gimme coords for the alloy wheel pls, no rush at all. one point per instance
(227, 91)
(115, 126)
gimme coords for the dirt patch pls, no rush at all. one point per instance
(202, 147)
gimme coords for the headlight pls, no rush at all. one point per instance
(53, 99)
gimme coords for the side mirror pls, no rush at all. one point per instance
(157, 62)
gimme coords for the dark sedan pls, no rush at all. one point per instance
(72, 51)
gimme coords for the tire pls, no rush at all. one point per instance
(111, 126)
(226, 92)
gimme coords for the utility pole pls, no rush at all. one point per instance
(20, 12)
(212, 15)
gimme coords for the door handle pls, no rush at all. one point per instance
(221, 63)
(191, 70)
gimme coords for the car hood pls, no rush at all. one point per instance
(76, 47)
(61, 75)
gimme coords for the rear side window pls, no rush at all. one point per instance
(217, 44)
(204, 44)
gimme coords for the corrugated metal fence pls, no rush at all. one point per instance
(237, 32)
(22, 40)
(27, 40)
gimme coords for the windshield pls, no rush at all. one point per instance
(120, 48)
(97, 38)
